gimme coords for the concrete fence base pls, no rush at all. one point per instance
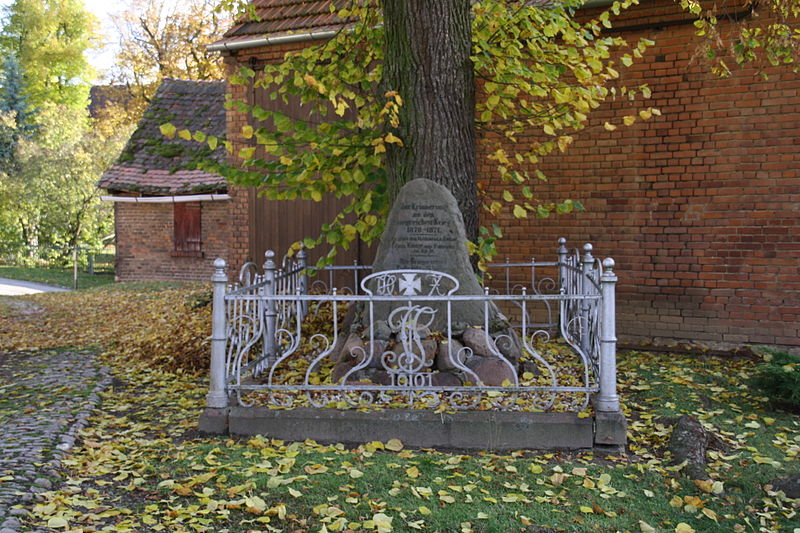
(473, 430)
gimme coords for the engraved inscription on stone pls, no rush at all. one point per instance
(423, 233)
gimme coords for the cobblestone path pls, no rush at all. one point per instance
(45, 398)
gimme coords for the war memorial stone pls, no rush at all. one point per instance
(425, 232)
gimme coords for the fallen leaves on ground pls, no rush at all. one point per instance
(140, 467)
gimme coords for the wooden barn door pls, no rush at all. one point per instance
(277, 224)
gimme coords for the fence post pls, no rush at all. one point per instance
(271, 313)
(607, 399)
(587, 264)
(302, 285)
(217, 397)
(563, 252)
(90, 268)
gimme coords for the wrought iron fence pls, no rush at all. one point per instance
(545, 341)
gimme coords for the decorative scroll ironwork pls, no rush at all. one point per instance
(285, 345)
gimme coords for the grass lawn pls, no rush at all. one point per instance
(56, 276)
(140, 466)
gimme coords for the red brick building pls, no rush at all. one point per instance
(700, 207)
(171, 220)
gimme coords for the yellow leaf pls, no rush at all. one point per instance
(168, 130)
(520, 212)
(295, 493)
(56, 522)
(683, 527)
(645, 527)
(355, 473)
(382, 523)
(390, 138)
(609, 127)
(704, 485)
(424, 510)
(535, 469)
(186, 135)
(482, 516)
(412, 472)
(585, 509)
(394, 445)
(629, 120)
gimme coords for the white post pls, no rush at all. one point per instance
(217, 397)
(302, 286)
(271, 314)
(607, 399)
(586, 288)
(563, 252)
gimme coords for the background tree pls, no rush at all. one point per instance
(53, 197)
(166, 39)
(15, 106)
(49, 38)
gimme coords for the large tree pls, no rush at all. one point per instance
(49, 38)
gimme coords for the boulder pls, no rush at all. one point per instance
(445, 379)
(480, 343)
(349, 351)
(371, 375)
(789, 485)
(444, 352)
(376, 348)
(492, 371)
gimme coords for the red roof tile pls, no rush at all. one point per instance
(151, 163)
(285, 17)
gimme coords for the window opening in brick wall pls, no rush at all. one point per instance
(187, 236)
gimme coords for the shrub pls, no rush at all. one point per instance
(779, 377)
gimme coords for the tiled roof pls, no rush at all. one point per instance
(285, 17)
(154, 164)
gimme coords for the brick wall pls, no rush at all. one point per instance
(700, 207)
(145, 242)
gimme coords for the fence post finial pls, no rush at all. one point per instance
(607, 399)
(217, 397)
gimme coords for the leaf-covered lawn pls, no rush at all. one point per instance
(140, 466)
(62, 277)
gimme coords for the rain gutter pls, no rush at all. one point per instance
(167, 199)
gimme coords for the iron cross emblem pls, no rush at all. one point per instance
(410, 284)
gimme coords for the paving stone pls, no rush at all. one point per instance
(31, 435)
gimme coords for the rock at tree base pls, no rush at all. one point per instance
(789, 485)
(689, 442)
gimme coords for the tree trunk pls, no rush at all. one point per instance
(427, 61)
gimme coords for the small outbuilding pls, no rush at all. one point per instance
(172, 218)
